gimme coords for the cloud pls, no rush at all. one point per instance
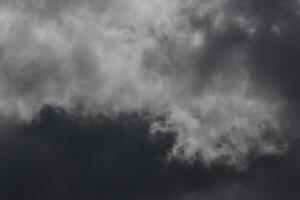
(64, 155)
(187, 62)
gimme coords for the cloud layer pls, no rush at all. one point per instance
(63, 156)
(188, 64)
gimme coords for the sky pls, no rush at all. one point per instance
(149, 100)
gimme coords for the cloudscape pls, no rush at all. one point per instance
(146, 100)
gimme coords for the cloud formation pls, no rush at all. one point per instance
(188, 64)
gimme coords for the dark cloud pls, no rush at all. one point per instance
(269, 31)
(67, 156)
(148, 100)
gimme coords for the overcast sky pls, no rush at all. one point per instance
(146, 100)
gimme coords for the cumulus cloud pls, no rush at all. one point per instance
(185, 61)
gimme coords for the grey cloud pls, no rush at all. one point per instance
(185, 61)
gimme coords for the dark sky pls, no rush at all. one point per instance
(63, 156)
(149, 100)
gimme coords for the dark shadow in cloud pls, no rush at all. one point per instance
(272, 47)
(275, 46)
